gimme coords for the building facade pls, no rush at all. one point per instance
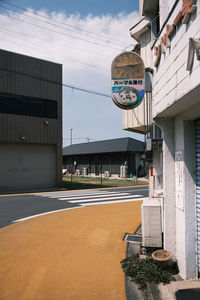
(30, 122)
(168, 36)
(121, 157)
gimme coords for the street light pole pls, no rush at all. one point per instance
(71, 135)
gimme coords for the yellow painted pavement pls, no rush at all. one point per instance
(69, 255)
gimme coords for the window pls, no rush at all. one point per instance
(21, 105)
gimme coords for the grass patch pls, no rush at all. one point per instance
(82, 182)
(143, 271)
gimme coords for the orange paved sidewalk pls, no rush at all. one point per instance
(69, 255)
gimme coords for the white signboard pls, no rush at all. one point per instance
(179, 179)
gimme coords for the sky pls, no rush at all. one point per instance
(84, 36)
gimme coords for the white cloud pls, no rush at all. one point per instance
(55, 43)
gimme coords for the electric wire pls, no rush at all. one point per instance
(58, 43)
(27, 46)
(69, 100)
(130, 45)
(120, 43)
(53, 55)
(57, 83)
(59, 32)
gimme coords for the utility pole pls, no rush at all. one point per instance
(71, 135)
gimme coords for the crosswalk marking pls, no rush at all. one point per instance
(110, 202)
(83, 195)
(75, 194)
(91, 196)
(95, 197)
(102, 199)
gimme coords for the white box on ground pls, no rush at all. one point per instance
(151, 223)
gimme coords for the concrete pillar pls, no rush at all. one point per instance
(169, 208)
(186, 213)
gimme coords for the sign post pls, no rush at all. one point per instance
(128, 76)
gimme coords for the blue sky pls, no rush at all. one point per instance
(83, 7)
(84, 36)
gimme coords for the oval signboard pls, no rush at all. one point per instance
(128, 74)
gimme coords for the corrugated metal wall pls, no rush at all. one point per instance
(27, 76)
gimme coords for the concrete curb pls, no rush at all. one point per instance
(152, 291)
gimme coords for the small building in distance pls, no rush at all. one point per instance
(30, 122)
(116, 157)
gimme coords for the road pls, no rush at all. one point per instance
(14, 208)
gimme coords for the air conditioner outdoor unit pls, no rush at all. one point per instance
(151, 223)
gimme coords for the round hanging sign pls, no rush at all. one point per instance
(128, 73)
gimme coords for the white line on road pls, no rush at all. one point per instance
(83, 195)
(92, 196)
(77, 194)
(77, 207)
(110, 202)
(46, 213)
(107, 198)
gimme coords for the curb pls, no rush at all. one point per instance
(152, 291)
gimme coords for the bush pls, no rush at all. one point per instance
(143, 271)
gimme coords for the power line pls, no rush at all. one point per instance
(58, 43)
(18, 44)
(53, 53)
(58, 83)
(62, 33)
(86, 90)
(69, 100)
(63, 23)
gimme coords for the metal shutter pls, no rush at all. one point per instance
(197, 150)
(26, 166)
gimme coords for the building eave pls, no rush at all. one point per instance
(139, 29)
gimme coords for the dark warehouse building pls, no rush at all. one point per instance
(105, 156)
(30, 122)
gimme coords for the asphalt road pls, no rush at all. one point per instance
(16, 207)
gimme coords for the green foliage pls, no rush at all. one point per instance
(81, 182)
(143, 271)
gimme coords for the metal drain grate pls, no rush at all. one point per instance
(132, 238)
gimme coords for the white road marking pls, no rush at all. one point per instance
(46, 213)
(79, 195)
(81, 206)
(110, 202)
(107, 198)
(136, 190)
(92, 196)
